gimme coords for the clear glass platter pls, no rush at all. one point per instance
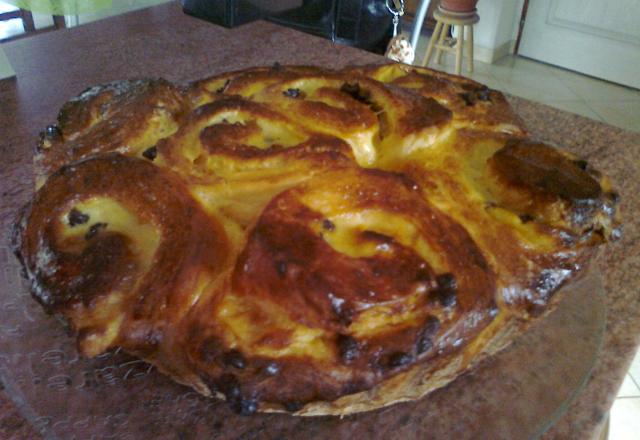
(519, 393)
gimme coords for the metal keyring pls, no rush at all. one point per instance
(391, 7)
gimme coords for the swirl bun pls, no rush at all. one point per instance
(120, 247)
(305, 240)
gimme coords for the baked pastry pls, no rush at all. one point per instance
(305, 240)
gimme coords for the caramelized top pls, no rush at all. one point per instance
(291, 235)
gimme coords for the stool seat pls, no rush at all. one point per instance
(442, 43)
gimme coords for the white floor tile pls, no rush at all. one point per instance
(623, 114)
(515, 66)
(595, 89)
(625, 419)
(629, 388)
(634, 371)
(537, 87)
(485, 79)
(579, 107)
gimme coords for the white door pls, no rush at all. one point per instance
(600, 38)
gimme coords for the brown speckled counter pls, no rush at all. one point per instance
(161, 41)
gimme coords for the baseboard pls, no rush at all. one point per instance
(489, 55)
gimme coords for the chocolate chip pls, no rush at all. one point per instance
(93, 230)
(483, 93)
(235, 359)
(352, 387)
(467, 97)
(211, 349)
(272, 369)
(431, 326)
(76, 217)
(228, 384)
(281, 268)
(447, 298)
(352, 89)
(292, 93)
(276, 66)
(480, 94)
(399, 359)
(328, 224)
(582, 164)
(425, 337)
(525, 218)
(246, 407)
(52, 132)
(446, 281)
(359, 94)
(293, 406)
(445, 293)
(348, 347)
(150, 153)
(224, 86)
(424, 344)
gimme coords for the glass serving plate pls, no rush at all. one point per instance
(518, 393)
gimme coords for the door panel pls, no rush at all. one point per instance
(595, 37)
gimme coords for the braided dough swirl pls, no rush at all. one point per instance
(300, 239)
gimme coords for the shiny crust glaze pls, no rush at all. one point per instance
(125, 116)
(293, 265)
(96, 272)
(304, 240)
(473, 104)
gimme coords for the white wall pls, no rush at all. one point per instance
(497, 29)
(42, 20)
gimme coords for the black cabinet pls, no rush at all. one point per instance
(361, 23)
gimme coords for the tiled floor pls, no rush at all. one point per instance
(566, 90)
(625, 413)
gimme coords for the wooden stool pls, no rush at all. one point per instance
(440, 40)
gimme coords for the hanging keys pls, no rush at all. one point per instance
(399, 48)
(396, 7)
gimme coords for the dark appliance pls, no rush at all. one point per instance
(366, 24)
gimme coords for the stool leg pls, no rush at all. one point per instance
(443, 35)
(459, 46)
(470, 49)
(432, 42)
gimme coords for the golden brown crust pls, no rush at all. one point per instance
(124, 116)
(129, 271)
(293, 262)
(304, 240)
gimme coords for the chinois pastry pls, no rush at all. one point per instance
(301, 239)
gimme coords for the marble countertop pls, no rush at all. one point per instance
(161, 41)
